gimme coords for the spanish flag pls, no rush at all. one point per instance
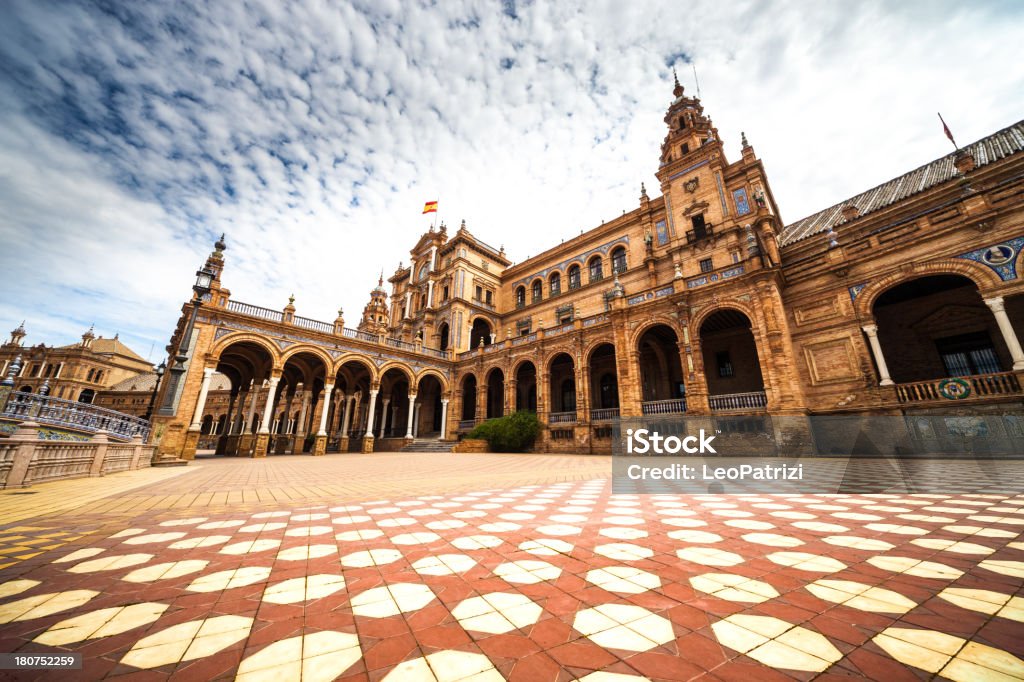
(430, 207)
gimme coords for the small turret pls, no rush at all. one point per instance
(375, 314)
(88, 337)
(18, 335)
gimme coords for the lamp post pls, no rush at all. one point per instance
(204, 278)
(159, 369)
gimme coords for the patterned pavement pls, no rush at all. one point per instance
(554, 580)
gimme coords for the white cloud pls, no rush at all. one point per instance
(312, 132)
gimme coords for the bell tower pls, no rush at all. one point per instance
(720, 212)
(375, 314)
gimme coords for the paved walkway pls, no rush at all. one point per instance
(479, 567)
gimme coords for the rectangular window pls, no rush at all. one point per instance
(724, 364)
(479, 293)
(735, 256)
(706, 265)
(445, 293)
(967, 354)
(488, 298)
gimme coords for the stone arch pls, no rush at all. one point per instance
(553, 354)
(410, 375)
(698, 320)
(589, 349)
(659, 320)
(226, 342)
(320, 353)
(429, 372)
(359, 358)
(477, 326)
(516, 364)
(982, 276)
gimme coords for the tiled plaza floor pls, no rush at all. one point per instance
(486, 567)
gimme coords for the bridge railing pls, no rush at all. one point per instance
(73, 415)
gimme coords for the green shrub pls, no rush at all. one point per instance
(513, 433)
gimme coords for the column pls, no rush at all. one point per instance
(408, 425)
(204, 388)
(384, 417)
(239, 425)
(306, 397)
(231, 408)
(394, 416)
(268, 408)
(430, 294)
(444, 418)
(876, 349)
(367, 444)
(416, 419)
(323, 413)
(255, 391)
(998, 307)
(349, 397)
(370, 410)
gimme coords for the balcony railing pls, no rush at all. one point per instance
(255, 311)
(673, 406)
(694, 236)
(606, 414)
(315, 325)
(74, 415)
(328, 328)
(738, 401)
(562, 418)
(976, 386)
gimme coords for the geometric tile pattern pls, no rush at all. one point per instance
(547, 581)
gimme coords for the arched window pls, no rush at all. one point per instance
(619, 259)
(443, 334)
(596, 269)
(520, 297)
(424, 271)
(556, 284)
(538, 291)
(574, 277)
(89, 376)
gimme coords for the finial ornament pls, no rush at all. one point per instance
(12, 372)
(291, 299)
(219, 245)
(743, 140)
(833, 242)
(678, 89)
(643, 190)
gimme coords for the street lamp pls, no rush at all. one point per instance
(201, 288)
(204, 281)
(159, 369)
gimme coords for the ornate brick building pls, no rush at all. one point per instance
(904, 299)
(78, 371)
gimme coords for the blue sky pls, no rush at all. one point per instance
(311, 132)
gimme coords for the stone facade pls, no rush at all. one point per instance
(78, 371)
(905, 298)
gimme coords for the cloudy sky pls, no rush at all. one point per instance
(132, 134)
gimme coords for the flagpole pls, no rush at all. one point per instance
(949, 134)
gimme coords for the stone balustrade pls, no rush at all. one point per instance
(25, 458)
